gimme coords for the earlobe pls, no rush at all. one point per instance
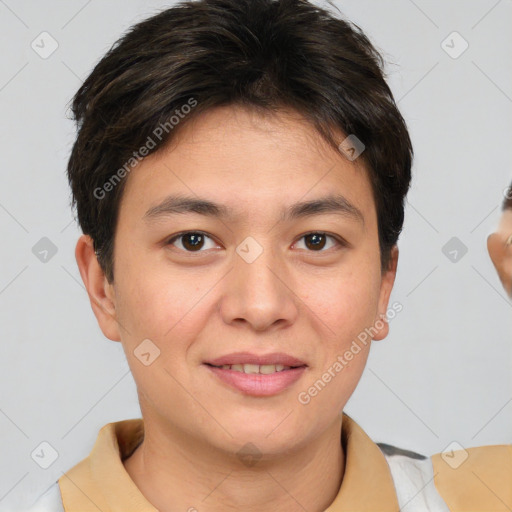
(100, 291)
(387, 282)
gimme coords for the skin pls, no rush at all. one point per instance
(310, 303)
(501, 252)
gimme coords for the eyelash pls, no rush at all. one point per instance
(341, 243)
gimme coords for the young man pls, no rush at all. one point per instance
(499, 244)
(239, 176)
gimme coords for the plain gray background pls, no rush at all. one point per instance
(444, 372)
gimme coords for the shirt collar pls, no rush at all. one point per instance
(100, 481)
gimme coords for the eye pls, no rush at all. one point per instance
(195, 241)
(317, 241)
(190, 241)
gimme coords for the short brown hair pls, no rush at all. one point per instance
(262, 54)
(507, 201)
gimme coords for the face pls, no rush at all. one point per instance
(270, 266)
(500, 250)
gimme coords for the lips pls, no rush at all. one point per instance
(242, 358)
(265, 369)
(257, 375)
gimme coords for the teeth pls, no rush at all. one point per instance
(264, 369)
(251, 368)
(268, 368)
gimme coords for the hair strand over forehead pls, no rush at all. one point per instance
(261, 54)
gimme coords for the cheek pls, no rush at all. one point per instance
(346, 304)
(153, 304)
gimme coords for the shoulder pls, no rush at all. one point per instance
(475, 478)
(49, 501)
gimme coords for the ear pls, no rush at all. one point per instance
(386, 285)
(499, 251)
(101, 292)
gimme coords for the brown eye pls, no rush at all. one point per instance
(318, 241)
(192, 241)
(315, 241)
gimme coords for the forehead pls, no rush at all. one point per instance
(253, 164)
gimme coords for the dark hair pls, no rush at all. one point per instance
(507, 201)
(262, 54)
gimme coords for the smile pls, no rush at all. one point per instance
(264, 369)
(256, 380)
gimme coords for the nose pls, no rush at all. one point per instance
(259, 293)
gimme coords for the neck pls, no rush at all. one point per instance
(175, 472)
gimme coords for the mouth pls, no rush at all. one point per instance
(264, 369)
(257, 375)
(250, 360)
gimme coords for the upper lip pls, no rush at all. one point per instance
(249, 358)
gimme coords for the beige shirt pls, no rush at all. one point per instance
(483, 483)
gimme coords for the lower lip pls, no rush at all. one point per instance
(257, 384)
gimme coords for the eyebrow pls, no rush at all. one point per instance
(174, 204)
